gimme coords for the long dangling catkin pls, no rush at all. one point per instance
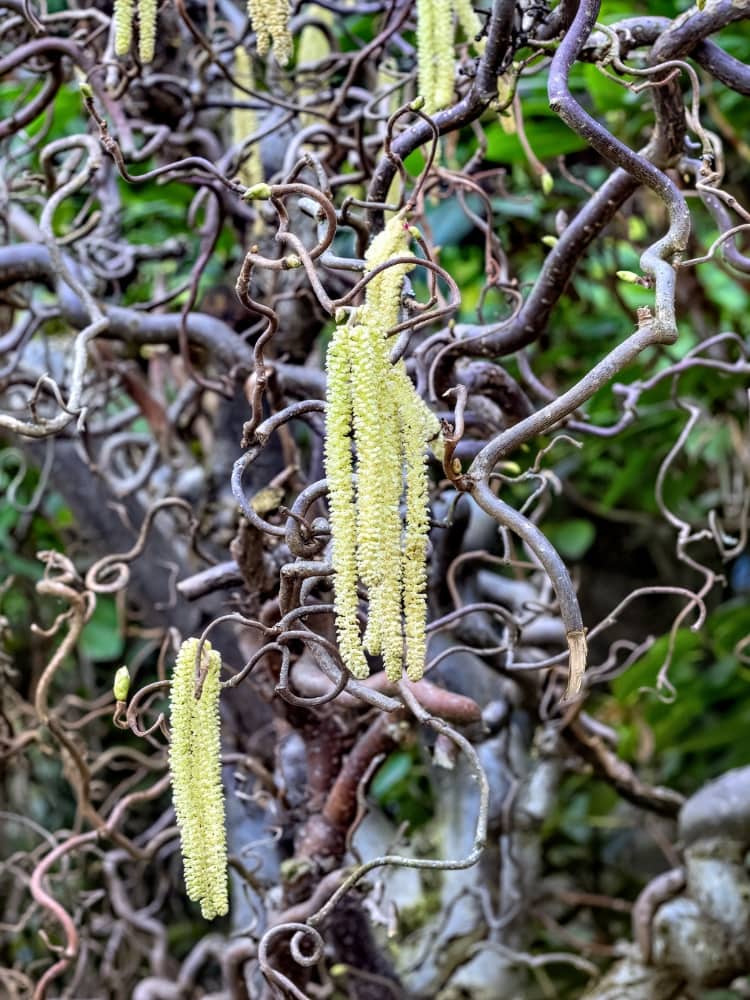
(419, 425)
(436, 34)
(373, 404)
(195, 769)
(435, 53)
(469, 21)
(314, 46)
(245, 120)
(146, 30)
(339, 470)
(270, 21)
(123, 26)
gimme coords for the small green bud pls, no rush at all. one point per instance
(258, 192)
(547, 182)
(86, 90)
(630, 276)
(121, 684)
(550, 241)
(292, 261)
(340, 316)
(414, 232)
(294, 869)
(637, 229)
(512, 468)
(417, 104)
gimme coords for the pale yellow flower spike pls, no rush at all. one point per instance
(470, 23)
(123, 26)
(314, 46)
(444, 54)
(379, 452)
(256, 11)
(245, 120)
(195, 769)
(376, 435)
(339, 469)
(435, 54)
(419, 425)
(425, 54)
(270, 20)
(146, 30)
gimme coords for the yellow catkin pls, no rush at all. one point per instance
(436, 35)
(425, 54)
(270, 21)
(245, 120)
(195, 769)
(256, 13)
(314, 46)
(146, 30)
(339, 470)
(419, 425)
(379, 450)
(444, 54)
(375, 403)
(123, 26)
(469, 21)
(435, 59)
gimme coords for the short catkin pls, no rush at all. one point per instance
(123, 26)
(147, 13)
(270, 21)
(146, 30)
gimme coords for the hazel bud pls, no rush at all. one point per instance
(630, 276)
(258, 192)
(121, 685)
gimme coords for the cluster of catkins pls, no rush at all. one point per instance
(372, 404)
(269, 18)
